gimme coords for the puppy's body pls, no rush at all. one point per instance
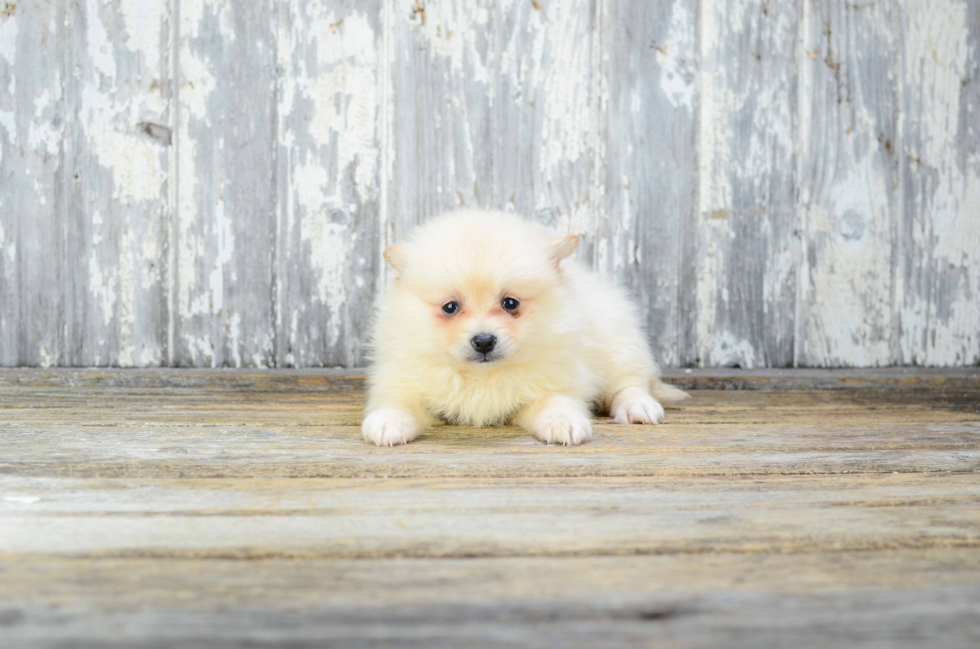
(571, 345)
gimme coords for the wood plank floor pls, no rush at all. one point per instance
(233, 509)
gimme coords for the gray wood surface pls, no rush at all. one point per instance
(649, 241)
(747, 252)
(939, 230)
(850, 168)
(33, 199)
(117, 169)
(210, 184)
(224, 233)
(207, 508)
(331, 69)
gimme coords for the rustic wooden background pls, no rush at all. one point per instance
(211, 183)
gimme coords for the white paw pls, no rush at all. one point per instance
(556, 425)
(636, 406)
(389, 427)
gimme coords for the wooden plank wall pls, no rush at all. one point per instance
(210, 183)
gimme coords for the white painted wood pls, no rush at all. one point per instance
(32, 184)
(442, 89)
(205, 183)
(848, 180)
(648, 243)
(938, 259)
(331, 66)
(224, 235)
(117, 169)
(548, 93)
(746, 254)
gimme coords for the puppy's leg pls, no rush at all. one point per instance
(634, 392)
(641, 405)
(557, 420)
(635, 405)
(392, 422)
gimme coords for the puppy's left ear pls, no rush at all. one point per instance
(562, 246)
(395, 255)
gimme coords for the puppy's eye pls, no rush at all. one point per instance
(510, 304)
(449, 308)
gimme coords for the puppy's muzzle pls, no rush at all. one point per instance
(484, 343)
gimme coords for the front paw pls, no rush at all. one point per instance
(636, 406)
(567, 426)
(389, 427)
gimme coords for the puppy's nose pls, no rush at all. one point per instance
(483, 343)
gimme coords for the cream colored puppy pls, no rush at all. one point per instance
(485, 324)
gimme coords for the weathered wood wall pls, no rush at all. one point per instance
(211, 183)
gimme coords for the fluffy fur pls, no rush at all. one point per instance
(572, 346)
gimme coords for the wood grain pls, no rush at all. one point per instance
(652, 174)
(330, 69)
(945, 616)
(849, 175)
(239, 508)
(747, 248)
(442, 80)
(545, 135)
(32, 184)
(940, 189)
(225, 232)
(210, 184)
(334, 519)
(117, 159)
(346, 585)
(129, 429)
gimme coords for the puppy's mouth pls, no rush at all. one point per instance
(484, 358)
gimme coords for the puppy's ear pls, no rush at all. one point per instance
(562, 246)
(395, 255)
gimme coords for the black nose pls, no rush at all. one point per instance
(483, 343)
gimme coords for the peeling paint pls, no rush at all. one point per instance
(763, 176)
(47, 357)
(8, 121)
(9, 125)
(136, 164)
(98, 45)
(453, 30)
(746, 179)
(566, 129)
(345, 97)
(847, 204)
(142, 22)
(329, 130)
(715, 192)
(225, 249)
(848, 323)
(678, 66)
(728, 351)
(941, 307)
(44, 134)
(32, 118)
(8, 39)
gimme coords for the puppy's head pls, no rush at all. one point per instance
(477, 288)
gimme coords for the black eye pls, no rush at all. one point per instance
(510, 304)
(450, 308)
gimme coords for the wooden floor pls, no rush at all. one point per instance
(231, 509)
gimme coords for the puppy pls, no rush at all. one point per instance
(486, 324)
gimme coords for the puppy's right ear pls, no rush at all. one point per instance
(395, 255)
(561, 247)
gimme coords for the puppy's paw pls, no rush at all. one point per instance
(567, 426)
(389, 427)
(636, 406)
